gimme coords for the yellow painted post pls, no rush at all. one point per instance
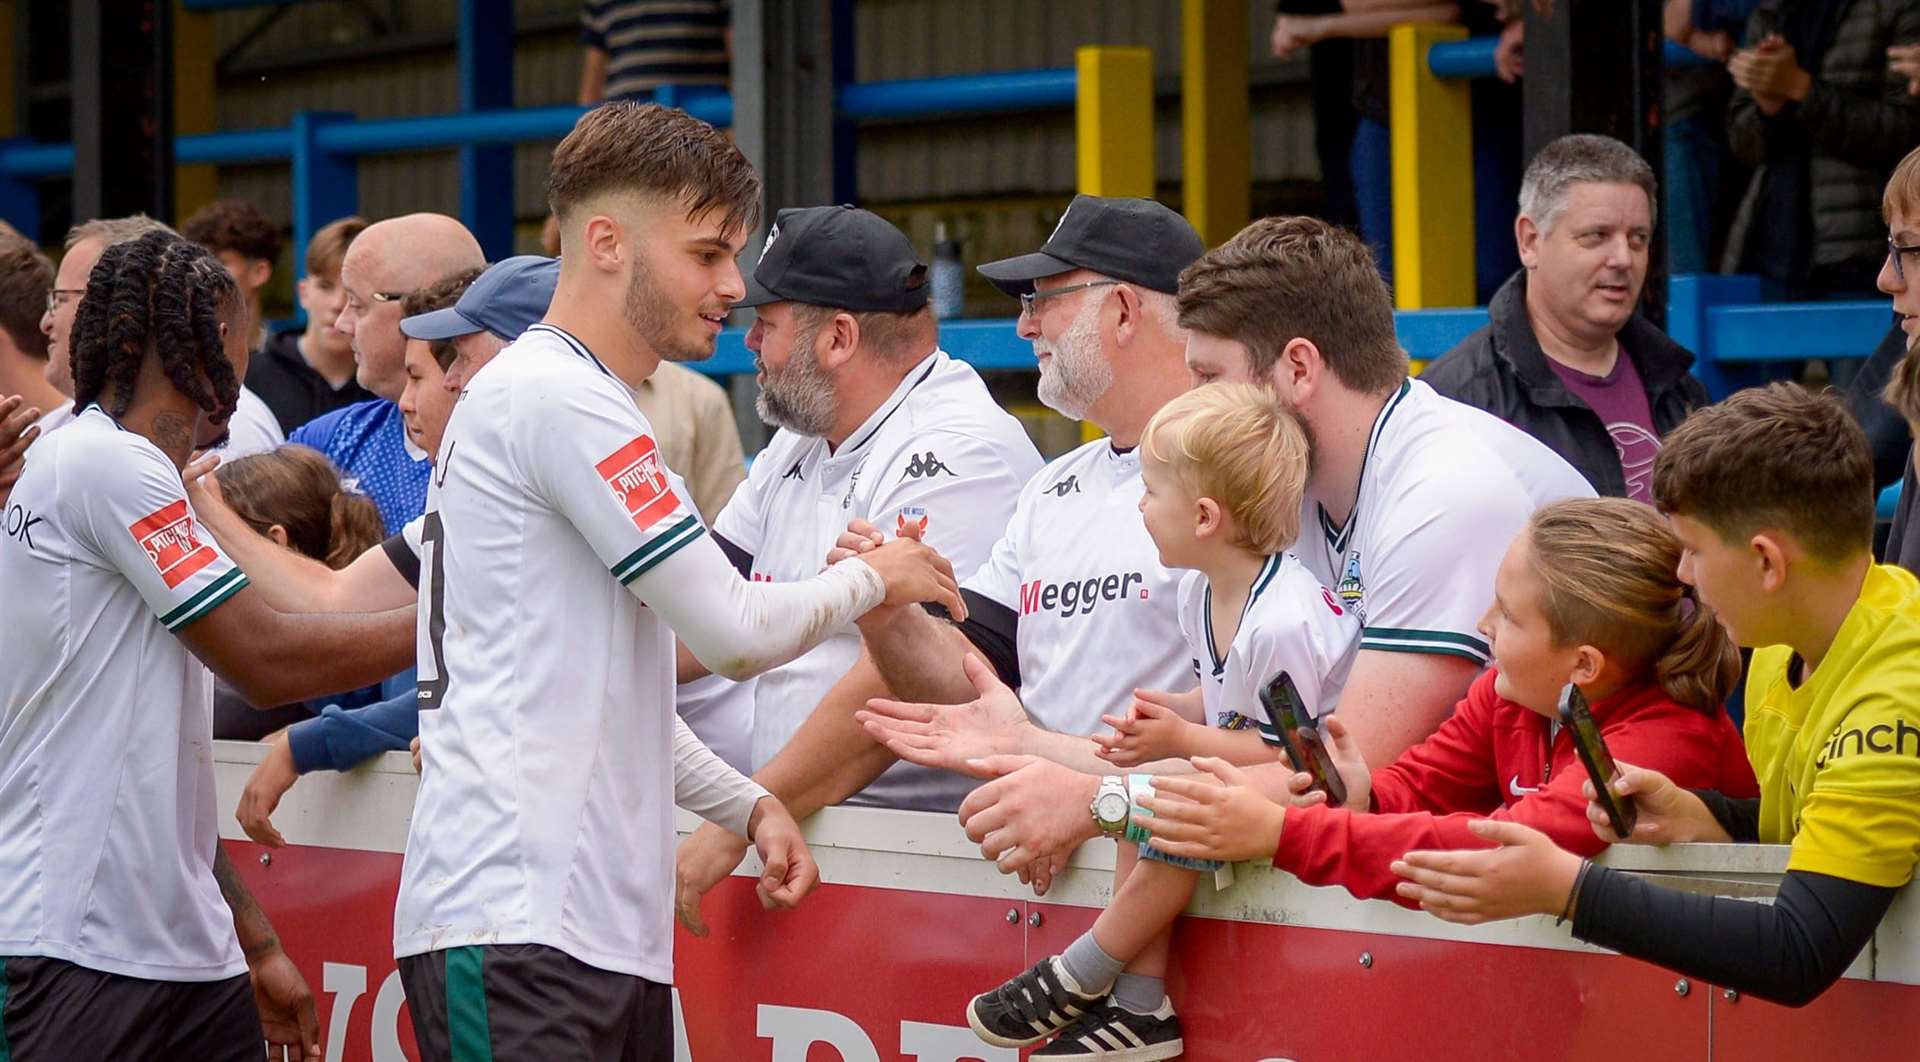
(193, 104)
(1214, 131)
(1432, 174)
(1113, 120)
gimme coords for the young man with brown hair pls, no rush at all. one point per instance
(26, 283)
(558, 562)
(1771, 494)
(247, 244)
(305, 374)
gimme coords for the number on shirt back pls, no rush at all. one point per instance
(432, 668)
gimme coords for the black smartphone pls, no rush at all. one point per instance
(1578, 719)
(1300, 738)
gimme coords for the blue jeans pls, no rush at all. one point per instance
(1693, 175)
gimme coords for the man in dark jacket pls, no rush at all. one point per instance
(1564, 356)
(1825, 119)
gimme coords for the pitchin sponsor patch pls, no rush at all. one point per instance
(638, 479)
(168, 539)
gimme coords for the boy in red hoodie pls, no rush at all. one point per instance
(1587, 595)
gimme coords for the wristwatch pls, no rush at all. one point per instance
(1111, 805)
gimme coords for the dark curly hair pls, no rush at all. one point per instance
(158, 295)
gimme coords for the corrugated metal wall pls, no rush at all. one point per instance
(326, 56)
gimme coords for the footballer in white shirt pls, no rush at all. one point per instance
(558, 562)
(123, 929)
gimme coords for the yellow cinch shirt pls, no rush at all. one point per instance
(1838, 758)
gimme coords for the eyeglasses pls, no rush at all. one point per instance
(1898, 253)
(353, 300)
(1027, 299)
(56, 294)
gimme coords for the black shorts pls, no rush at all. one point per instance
(504, 1002)
(54, 1011)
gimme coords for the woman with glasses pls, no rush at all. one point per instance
(1900, 278)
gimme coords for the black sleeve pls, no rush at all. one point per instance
(992, 628)
(1739, 817)
(404, 559)
(1787, 952)
(742, 560)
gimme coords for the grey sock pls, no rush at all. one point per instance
(1091, 969)
(1141, 995)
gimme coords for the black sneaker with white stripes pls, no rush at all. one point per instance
(1029, 1008)
(1111, 1033)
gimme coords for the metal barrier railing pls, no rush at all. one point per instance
(321, 147)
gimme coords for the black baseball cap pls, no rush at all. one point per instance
(839, 256)
(1136, 240)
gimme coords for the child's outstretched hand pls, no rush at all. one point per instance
(1152, 729)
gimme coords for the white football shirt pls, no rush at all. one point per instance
(1290, 625)
(546, 686)
(107, 816)
(1444, 490)
(1096, 615)
(54, 419)
(253, 429)
(940, 453)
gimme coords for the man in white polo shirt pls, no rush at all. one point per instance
(876, 423)
(1072, 607)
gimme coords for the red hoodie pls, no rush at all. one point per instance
(1491, 761)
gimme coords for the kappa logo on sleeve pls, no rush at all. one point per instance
(168, 538)
(638, 480)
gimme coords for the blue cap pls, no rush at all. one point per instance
(510, 296)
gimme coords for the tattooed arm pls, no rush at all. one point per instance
(281, 993)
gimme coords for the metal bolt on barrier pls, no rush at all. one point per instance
(1013, 916)
(1034, 919)
(1730, 995)
(1366, 959)
(1681, 987)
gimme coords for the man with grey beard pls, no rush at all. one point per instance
(877, 424)
(1072, 607)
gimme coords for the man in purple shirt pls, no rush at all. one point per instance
(1564, 356)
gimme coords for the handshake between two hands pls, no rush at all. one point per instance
(913, 571)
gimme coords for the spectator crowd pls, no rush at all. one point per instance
(486, 512)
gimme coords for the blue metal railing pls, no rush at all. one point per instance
(1473, 58)
(1733, 342)
(916, 97)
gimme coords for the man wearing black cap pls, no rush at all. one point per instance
(1072, 607)
(876, 423)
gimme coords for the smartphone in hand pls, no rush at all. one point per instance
(1578, 719)
(1299, 738)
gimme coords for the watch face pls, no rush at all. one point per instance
(1111, 807)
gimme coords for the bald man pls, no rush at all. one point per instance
(368, 440)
